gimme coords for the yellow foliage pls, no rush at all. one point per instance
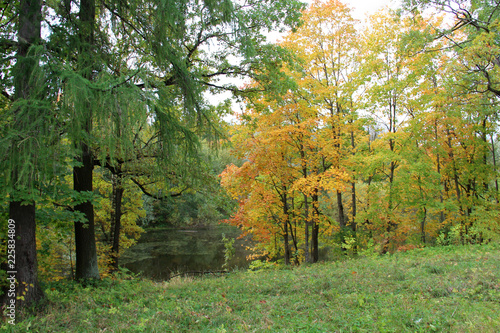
(132, 210)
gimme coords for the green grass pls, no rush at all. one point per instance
(448, 289)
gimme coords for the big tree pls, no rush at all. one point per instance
(26, 149)
(328, 43)
(275, 138)
(174, 52)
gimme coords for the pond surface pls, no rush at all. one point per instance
(161, 253)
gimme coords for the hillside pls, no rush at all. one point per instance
(455, 289)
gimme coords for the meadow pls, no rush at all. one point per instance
(441, 289)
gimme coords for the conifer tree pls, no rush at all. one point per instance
(170, 72)
(22, 165)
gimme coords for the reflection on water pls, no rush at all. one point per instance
(161, 253)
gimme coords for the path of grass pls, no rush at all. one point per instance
(453, 289)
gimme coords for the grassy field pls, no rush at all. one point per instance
(447, 289)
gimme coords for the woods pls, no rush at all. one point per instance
(388, 141)
(109, 85)
(353, 138)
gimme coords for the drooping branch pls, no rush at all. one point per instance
(157, 197)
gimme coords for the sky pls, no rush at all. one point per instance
(363, 7)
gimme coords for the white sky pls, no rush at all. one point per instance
(364, 8)
(368, 7)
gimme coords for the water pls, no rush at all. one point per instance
(161, 253)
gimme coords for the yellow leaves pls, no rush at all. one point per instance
(334, 179)
(53, 247)
(331, 180)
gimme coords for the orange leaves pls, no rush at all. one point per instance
(375, 131)
(329, 180)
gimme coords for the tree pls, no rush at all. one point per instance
(327, 43)
(86, 252)
(262, 185)
(120, 207)
(282, 177)
(26, 111)
(471, 100)
(164, 66)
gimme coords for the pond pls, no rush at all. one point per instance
(163, 252)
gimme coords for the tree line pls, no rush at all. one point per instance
(387, 140)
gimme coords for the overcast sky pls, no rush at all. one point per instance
(363, 7)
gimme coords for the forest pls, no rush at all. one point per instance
(387, 139)
(356, 137)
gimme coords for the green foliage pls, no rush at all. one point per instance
(205, 201)
(451, 289)
(258, 265)
(30, 131)
(228, 249)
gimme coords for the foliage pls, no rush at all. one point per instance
(204, 201)
(131, 210)
(387, 140)
(123, 86)
(228, 249)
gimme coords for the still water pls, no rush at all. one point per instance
(161, 253)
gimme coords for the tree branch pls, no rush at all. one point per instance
(149, 194)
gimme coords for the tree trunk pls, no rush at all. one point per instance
(85, 244)
(117, 198)
(353, 199)
(340, 207)
(314, 242)
(422, 225)
(315, 229)
(287, 246)
(306, 232)
(494, 167)
(285, 227)
(25, 267)
(353, 190)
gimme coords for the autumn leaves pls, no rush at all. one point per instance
(380, 143)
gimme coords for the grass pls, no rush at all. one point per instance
(447, 289)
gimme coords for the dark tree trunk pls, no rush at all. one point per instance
(314, 242)
(340, 207)
(353, 199)
(85, 244)
(441, 199)
(117, 198)
(353, 190)
(287, 245)
(23, 215)
(494, 167)
(285, 227)
(306, 231)
(306, 207)
(26, 260)
(422, 225)
(315, 229)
